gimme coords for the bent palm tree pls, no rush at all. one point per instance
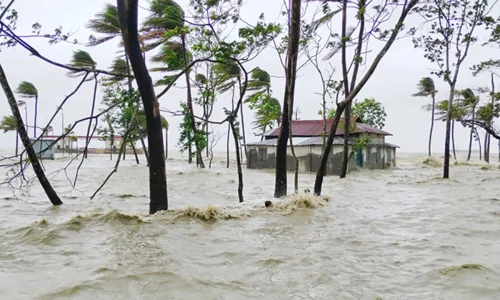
(427, 88)
(106, 22)
(28, 90)
(470, 101)
(167, 15)
(8, 124)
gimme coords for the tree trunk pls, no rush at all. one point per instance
(238, 161)
(135, 151)
(36, 116)
(328, 147)
(227, 144)
(345, 154)
(166, 143)
(453, 139)
(127, 12)
(190, 150)
(143, 144)
(199, 156)
(446, 166)
(471, 132)
(244, 148)
(479, 143)
(23, 134)
(280, 188)
(432, 124)
(486, 152)
(17, 142)
(26, 117)
(354, 92)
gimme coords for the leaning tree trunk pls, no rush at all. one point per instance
(23, 134)
(17, 142)
(135, 152)
(238, 160)
(127, 12)
(243, 128)
(199, 156)
(432, 124)
(328, 147)
(280, 188)
(471, 133)
(345, 155)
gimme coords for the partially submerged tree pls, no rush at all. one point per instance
(23, 134)
(427, 88)
(280, 188)
(127, 12)
(451, 32)
(352, 87)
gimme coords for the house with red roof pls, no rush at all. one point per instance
(308, 138)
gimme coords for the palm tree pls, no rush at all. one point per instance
(28, 90)
(470, 101)
(106, 22)
(8, 124)
(427, 88)
(167, 15)
(22, 103)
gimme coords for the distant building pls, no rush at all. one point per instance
(308, 143)
(74, 142)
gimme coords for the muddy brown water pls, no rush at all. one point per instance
(386, 234)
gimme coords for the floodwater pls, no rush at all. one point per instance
(386, 234)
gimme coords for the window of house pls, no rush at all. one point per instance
(262, 154)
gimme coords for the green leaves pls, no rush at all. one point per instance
(370, 111)
(8, 123)
(425, 87)
(105, 22)
(27, 90)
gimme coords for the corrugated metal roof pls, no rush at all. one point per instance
(315, 128)
(308, 141)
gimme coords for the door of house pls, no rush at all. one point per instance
(359, 158)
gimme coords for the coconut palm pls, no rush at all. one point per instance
(28, 90)
(427, 88)
(22, 103)
(165, 15)
(106, 22)
(470, 101)
(8, 124)
(81, 59)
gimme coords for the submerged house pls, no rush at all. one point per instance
(308, 145)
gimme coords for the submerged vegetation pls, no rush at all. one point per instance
(208, 49)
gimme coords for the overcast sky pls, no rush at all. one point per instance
(393, 82)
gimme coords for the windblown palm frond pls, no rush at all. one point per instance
(171, 55)
(105, 22)
(165, 15)
(425, 88)
(8, 123)
(27, 90)
(81, 59)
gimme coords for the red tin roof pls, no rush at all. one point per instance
(306, 128)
